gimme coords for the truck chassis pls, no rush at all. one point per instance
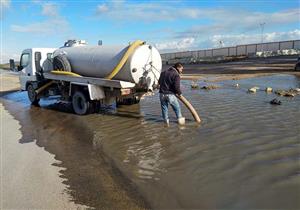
(85, 93)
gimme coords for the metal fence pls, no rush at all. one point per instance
(239, 50)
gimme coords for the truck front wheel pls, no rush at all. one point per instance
(81, 104)
(32, 95)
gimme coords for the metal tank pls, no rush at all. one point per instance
(143, 66)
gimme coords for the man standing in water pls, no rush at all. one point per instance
(169, 83)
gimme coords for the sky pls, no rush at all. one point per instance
(169, 25)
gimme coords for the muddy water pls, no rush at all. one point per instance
(245, 154)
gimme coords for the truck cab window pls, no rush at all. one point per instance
(24, 60)
(49, 56)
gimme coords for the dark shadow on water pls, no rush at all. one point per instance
(4, 93)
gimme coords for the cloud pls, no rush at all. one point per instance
(118, 10)
(191, 43)
(5, 56)
(230, 24)
(226, 21)
(102, 8)
(50, 10)
(232, 40)
(182, 44)
(36, 1)
(5, 4)
(54, 24)
(219, 18)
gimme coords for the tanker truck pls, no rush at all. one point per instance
(89, 76)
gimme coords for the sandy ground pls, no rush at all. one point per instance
(241, 69)
(8, 81)
(28, 183)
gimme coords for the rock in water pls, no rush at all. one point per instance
(194, 85)
(275, 101)
(252, 90)
(209, 87)
(269, 89)
(280, 92)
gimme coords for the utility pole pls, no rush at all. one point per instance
(262, 26)
(221, 43)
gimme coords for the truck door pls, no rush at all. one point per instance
(25, 69)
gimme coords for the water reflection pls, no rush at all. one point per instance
(241, 138)
(244, 155)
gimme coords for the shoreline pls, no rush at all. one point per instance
(93, 182)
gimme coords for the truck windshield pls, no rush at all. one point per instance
(24, 59)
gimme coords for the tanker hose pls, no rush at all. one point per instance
(190, 107)
(125, 57)
(68, 73)
(44, 87)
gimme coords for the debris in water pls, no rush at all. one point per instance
(275, 101)
(209, 87)
(194, 85)
(289, 93)
(236, 85)
(295, 91)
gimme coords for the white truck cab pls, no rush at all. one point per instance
(31, 61)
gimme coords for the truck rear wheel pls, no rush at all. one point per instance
(81, 104)
(32, 95)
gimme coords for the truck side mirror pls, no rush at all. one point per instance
(12, 64)
(20, 68)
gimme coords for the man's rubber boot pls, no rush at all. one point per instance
(181, 121)
(167, 122)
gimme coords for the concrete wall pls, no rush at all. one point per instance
(234, 51)
(241, 50)
(297, 44)
(220, 52)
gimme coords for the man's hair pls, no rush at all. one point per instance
(178, 65)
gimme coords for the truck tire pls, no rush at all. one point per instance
(81, 104)
(128, 101)
(32, 95)
(60, 62)
(297, 66)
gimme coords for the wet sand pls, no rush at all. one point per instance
(29, 178)
(128, 160)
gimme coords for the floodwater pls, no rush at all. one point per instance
(244, 155)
